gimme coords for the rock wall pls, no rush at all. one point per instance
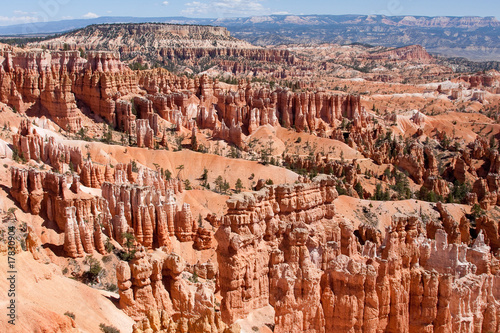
(412, 53)
(59, 84)
(148, 208)
(75, 212)
(285, 247)
(254, 219)
(51, 83)
(256, 54)
(144, 205)
(30, 145)
(154, 289)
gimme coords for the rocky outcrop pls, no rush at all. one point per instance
(244, 265)
(484, 80)
(170, 43)
(413, 162)
(81, 237)
(125, 117)
(491, 230)
(412, 53)
(153, 289)
(75, 212)
(304, 111)
(231, 134)
(91, 175)
(285, 247)
(51, 83)
(31, 145)
(138, 208)
(33, 243)
(205, 270)
(203, 239)
(144, 134)
(149, 210)
(48, 193)
(143, 211)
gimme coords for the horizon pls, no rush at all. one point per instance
(91, 21)
(44, 11)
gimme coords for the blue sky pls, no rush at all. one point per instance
(22, 11)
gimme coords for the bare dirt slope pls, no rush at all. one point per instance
(44, 295)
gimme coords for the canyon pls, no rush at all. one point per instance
(279, 189)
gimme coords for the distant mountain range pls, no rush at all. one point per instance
(476, 38)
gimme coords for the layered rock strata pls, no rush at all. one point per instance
(285, 247)
(147, 208)
(75, 212)
(31, 145)
(53, 82)
(154, 289)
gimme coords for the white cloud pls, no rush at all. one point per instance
(196, 8)
(5, 20)
(225, 7)
(282, 13)
(21, 16)
(165, 3)
(90, 15)
(22, 12)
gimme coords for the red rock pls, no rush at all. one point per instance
(31, 145)
(320, 277)
(52, 81)
(32, 243)
(412, 53)
(91, 175)
(144, 134)
(142, 290)
(203, 239)
(72, 238)
(491, 230)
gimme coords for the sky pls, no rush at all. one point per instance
(25, 11)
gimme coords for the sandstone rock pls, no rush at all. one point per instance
(203, 239)
(322, 278)
(32, 243)
(91, 175)
(158, 287)
(52, 81)
(30, 145)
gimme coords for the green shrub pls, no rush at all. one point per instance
(381, 195)
(194, 278)
(477, 211)
(109, 246)
(70, 314)
(108, 329)
(126, 256)
(111, 287)
(359, 189)
(340, 190)
(459, 192)
(129, 254)
(239, 185)
(107, 259)
(402, 186)
(135, 168)
(94, 271)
